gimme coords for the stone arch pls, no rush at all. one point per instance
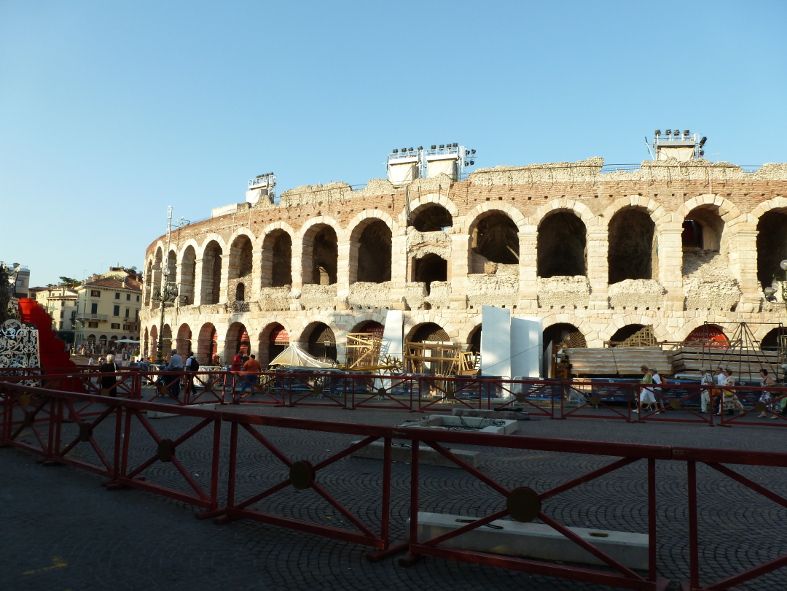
(624, 332)
(473, 339)
(770, 342)
(183, 340)
(240, 266)
(171, 269)
(424, 201)
(494, 240)
(148, 278)
(207, 344)
(431, 217)
(154, 349)
(277, 258)
(319, 340)
(728, 211)
(237, 340)
(273, 339)
(429, 268)
(145, 344)
(772, 246)
(188, 273)
(561, 244)
(158, 266)
(320, 253)
(166, 340)
(212, 256)
(370, 250)
(633, 245)
(479, 211)
(707, 335)
(559, 332)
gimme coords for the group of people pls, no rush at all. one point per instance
(722, 385)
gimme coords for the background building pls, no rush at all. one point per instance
(61, 304)
(107, 311)
(597, 253)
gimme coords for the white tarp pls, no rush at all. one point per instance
(294, 356)
(392, 345)
(495, 341)
(526, 345)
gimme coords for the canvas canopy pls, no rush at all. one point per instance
(294, 356)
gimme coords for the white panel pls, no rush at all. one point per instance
(495, 341)
(526, 346)
(393, 345)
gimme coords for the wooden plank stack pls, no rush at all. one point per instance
(618, 361)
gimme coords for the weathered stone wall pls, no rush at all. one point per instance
(687, 287)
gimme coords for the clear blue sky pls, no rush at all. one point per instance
(110, 111)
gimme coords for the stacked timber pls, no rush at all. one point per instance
(618, 361)
(741, 361)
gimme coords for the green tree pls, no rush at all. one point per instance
(69, 282)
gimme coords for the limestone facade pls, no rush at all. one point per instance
(669, 244)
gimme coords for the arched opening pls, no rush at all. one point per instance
(183, 341)
(277, 259)
(562, 245)
(239, 270)
(707, 336)
(431, 218)
(211, 273)
(237, 341)
(771, 247)
(166, 340)
(430, 268)
(633, 247)
(428, 332)
(274, 339)
(633, 335)
(171, 270)
(148, 282)
(207, 345)
(701, 238)
(364, 345)
(429, 350)
(102, 343)
(153, 342)
(494, 240)
(563, 332)
(158, 266)
(774, 340)
(188, 272)
(370, 252)
(320, 341)
(145, 344)
(474, 340)
(320, 253)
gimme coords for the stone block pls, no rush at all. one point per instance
(401, 452)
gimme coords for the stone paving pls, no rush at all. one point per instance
(62, 530)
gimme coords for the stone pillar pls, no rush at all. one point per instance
(670, 262)
(199, 278)
(399, 262)
(598, 269)
(256, 275)
(225, 278)
(528, 269)
(296, 264)
(458, 259)
(343, 277)
(743, 266)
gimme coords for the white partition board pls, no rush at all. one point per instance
(495, 341)
(526, 345)
(393, 340)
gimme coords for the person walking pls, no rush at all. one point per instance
(658, 393)
(249, 374)
(192, 365)
(173, 381)
(646, 399)
(766, 381)
(705, 392)
(109, 380)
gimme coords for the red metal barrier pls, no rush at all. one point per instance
(304, 475)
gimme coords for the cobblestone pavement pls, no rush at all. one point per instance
(63, 530)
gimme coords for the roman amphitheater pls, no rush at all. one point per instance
(596, 252)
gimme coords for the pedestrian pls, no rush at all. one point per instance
(192, 365)
(108, 370)
(173, 381)
(249, 374)
(646, 398)
(658, 393)
(729, 400)
(707, 381)
(766, 381)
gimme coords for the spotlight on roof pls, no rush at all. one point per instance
(657, 133)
